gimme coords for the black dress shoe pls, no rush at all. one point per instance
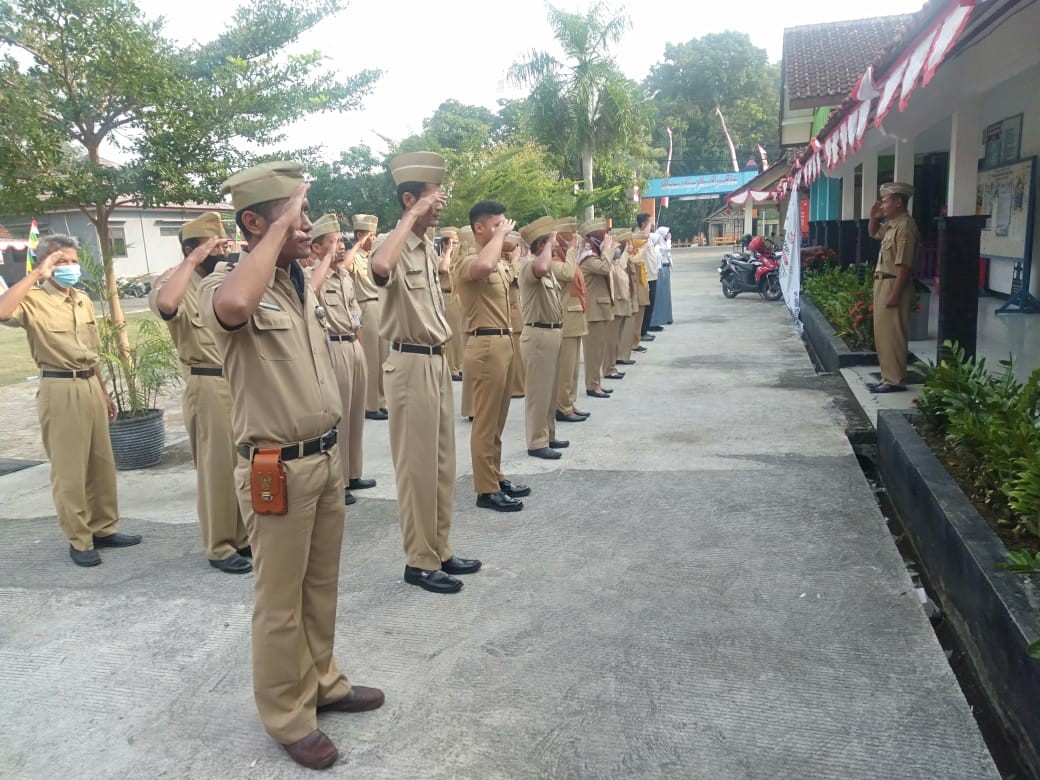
(884, 387)
(561, 417)
(499, 501)
(615, 375)
(348, 497)
(655, 328)
(647, 337)
(435, 581)
(456, 565)
(456, 377)
(117, 539)
(580, 413)
(84, 557)
(360, 699)
(607, 390)
(361, 484)
(639, 349)
(378, 415)
(625, 362)
(233, 564)
(545, 453)
(597, 393)
(514, 489)
(315, 751)
(559, 444)
(245, 552)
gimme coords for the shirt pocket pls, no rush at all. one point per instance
(416, 280)
(331, 297)
(274, 335)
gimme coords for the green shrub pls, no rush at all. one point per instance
(845, 302)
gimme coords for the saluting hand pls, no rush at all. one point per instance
(607, 247)
(202, 251)
(45, 268)
(429, 202)
(875, 210)
(291, 215)
(505, 227)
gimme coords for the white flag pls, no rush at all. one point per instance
(791, 258)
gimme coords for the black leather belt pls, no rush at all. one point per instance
(368, 300)
(202, 371)
(302, 449)
(884, 276)
(342, 337)
(552, 325)
(47, 374)
(446, 291)
(491, 332)
(419, 349)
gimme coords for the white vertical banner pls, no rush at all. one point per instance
(791, 258)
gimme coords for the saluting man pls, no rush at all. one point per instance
(449, 243)
(375, 349)
(417, 377)
(596, 262)
(574, 299)
(541, 338)
(73, 404)
(207, 399)
(483, 282)
(334, 286)
(270, 331)
(893, 287)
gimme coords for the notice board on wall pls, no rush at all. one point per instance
(1005, 196)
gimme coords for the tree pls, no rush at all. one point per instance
(357, 183)
(80, 76)
(584, 106)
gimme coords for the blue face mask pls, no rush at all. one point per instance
(67, 275)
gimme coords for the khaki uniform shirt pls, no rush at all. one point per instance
(364, 287)
(191, 336)
(597, 278)
(637, 267)
(574, 323)
(340, 303)
(61, 329)
(898, 245)
(485, 302)
(278, 364)
(539, 298)
(413, 305)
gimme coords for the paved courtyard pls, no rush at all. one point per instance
(703, 587)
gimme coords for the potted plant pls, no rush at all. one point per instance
(136, 377)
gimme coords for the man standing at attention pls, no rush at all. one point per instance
(573, 297)
(375, 349)
(417, 376)
(597, 262)
(72, 402)
(207, 399)
(893, 287)
(271, 335)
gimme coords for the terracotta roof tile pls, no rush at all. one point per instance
(823, 62)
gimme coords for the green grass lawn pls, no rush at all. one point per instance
(16, 364)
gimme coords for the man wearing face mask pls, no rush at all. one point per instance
(207, 399)
(73, 404)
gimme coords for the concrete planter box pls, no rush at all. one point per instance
(832, 351)
(995, 614)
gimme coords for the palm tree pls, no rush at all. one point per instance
(584, 105)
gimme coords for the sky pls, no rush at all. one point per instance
(462, 49)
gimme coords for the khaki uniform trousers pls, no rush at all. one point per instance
(489, 361)
(466, 404)
(636, 327)
(352, 378)
(376, 351)
(595, 348)
(74, 422)
(296, 559)
(453, 347)
(422, 445)
(207, 417)
(616, 334)
(625, 343)
(567, 377)
(516, 321)
(891, 327)
(540, 350)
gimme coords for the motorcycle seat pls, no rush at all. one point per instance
(746, 263)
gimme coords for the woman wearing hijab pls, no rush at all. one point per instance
(662, 314)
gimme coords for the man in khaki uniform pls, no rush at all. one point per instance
(483, 278)
(596, 263)
(637, 267)
(516, 314)
(375, 349)
(449, 243)
(73, 404)
(464, 248)
(334, 286)
(207, 399)
(417, 377)
(893, 287)
(541, 338)
(618, 332)
(270, 332)
(628, 338)
(574, 300)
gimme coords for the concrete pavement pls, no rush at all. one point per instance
(702, 587)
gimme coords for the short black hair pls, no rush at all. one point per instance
(415, 188)
(189, 244)
(642, 219)
(264, 209)
(538, 245)
(485, 208)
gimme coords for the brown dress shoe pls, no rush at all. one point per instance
(315, 751)
(360, 699)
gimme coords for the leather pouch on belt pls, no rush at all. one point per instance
(267, 480)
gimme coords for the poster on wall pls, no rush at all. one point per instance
(1006, 197)
(1002, 141)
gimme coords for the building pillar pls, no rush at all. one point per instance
(905, 166)
(959, 271)
(748, 215)
(848, 195)
(870, 192)
(965, 135)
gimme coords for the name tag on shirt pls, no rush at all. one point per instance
(269, 306)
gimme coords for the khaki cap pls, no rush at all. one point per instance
(209, 225)
(512, 239)
(365, 222)
(325, 225)
(450, 232)
(897, 188)
(264, 182)
(542, 226)
(566, 225)
(423, 167)
(621, 235)
(593, 225)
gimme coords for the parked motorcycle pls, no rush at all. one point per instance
(134, 288)
(758, 271)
